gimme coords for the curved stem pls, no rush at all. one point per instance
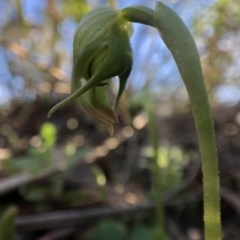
(180, 42)
(182, 46)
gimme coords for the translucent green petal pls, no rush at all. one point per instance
(113, 65)
(84, 59)
(123, 77)
(95, 113)
(85, 102)
(99, 99)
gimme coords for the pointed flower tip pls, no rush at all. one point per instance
(49, 114)
(52, 110)
(113, 117)
(110, 129)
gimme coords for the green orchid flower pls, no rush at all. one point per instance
(101, 50)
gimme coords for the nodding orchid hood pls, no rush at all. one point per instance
(101, 50)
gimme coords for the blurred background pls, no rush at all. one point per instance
(65, 177)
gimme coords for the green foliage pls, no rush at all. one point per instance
(159, 233)
(99, 175)
(34, 162)
(140, 232)
(36, 193)
(48, 134)
(110, 229)
(58, 181)
(169, 162)
(7, 223)
(37, 158)
(155, 166)
(40, 159)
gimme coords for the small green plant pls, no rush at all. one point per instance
(101, 50)
(110, 229)
(38, 158)
(7, 223)
(157, 170)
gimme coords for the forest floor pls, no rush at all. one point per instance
(94, 181)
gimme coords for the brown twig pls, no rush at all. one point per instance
(74, 217)
(13, 182)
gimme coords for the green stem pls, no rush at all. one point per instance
(182, 46)
(7, 227)
(156, 169)
(180, 42)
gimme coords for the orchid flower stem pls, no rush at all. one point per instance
(157, 171)
(181, 44)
